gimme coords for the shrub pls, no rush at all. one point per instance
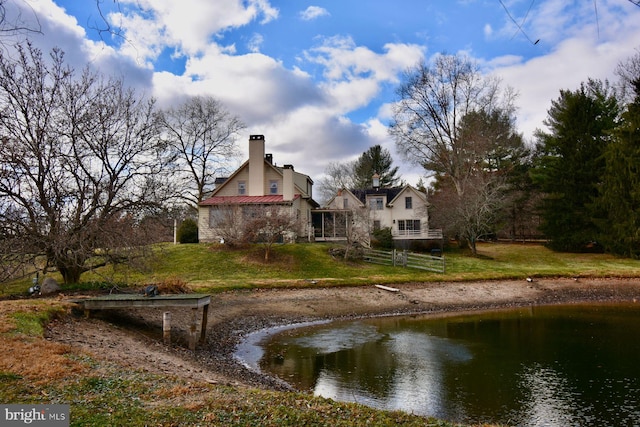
(188, 231)
(382, 238)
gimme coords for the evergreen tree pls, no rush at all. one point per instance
(620, 191)
(375, 160)
(188, 231)
(570, 163)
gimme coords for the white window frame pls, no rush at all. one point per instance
(409, 227)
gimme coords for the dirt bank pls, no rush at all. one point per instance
(134, 337)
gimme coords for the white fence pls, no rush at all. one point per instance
(405, 258)
(429, 234)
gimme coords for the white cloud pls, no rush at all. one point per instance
(540, 80)
(188, 24)
(254, 86)
(353, 74)
(313, 12)
(255, 43)
(488, 30)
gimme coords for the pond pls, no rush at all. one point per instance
(537, 366)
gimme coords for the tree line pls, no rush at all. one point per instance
(577, 183)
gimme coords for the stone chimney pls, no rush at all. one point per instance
(256, 165)
(288, 187)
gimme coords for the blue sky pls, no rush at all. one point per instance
(318, 77)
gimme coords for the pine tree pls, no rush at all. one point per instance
(570, 163)
(376, 160)
(620, 191)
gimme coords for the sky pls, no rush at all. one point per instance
(318, 77)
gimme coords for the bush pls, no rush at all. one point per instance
(188, 231)
(382, 238)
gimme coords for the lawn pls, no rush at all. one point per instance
(214, 268)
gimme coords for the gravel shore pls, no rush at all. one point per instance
(133, 338)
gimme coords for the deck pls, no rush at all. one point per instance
(192, 301)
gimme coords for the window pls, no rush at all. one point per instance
(376, 204)
(408, 227)
(252, 212)
(345, 203)
(408, 203)
(273, 187)
(242, 188)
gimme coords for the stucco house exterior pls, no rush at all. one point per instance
(361, 211)
(257, 185)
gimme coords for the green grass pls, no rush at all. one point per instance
(32, 323)
(213, 268)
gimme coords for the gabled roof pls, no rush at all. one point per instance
(405, 189)
(230, 178)
(246, 200)
(268, 164)
(392, 194)
(341, 193)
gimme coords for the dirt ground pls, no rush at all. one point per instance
(134, 337)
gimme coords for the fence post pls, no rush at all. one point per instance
(404, 258)
(393, 257)
(166, 327)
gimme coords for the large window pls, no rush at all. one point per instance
(408, 227)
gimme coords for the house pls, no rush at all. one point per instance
(257, 188)
(354, 214)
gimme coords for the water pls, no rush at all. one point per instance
(575, 365)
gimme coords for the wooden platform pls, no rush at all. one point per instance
(193, 301)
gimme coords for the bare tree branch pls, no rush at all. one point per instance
(81, 164)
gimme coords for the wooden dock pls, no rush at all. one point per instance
(123, 301)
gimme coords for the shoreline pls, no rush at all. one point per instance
(133, 338)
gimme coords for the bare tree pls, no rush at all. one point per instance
(473, 215)
(15, 26)
(202, 135)
(358, 229)
(628, 72)
(459, 124)
(433, 101)
(337, 176)
(238, 225)
(269, 224)
(228, 222)
(80, 163)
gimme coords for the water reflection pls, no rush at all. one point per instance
(543, 366)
